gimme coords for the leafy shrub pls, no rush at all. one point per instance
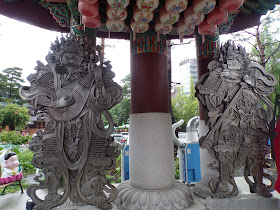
(116, 171)
(177, 169)
(25, 158)
(14, 116)
(13, 137)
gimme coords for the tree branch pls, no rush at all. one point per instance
(254, 60)
(255, 48)
(273, 53)
(252, 34)
(267, 44)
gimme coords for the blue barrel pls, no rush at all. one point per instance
(125, 163)
(191, 163)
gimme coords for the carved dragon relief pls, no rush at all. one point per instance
(234, 92)
(72, 92)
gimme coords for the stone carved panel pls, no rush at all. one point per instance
(235, 92)
(72, 93)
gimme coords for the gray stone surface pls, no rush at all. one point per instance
(244, 202)
(17, 201)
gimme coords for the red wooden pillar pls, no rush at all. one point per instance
(205, 54)
(150, 134)
(149, 76)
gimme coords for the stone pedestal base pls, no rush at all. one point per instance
(177, 197)
(201, 189)
(248, 202)
(76, 208)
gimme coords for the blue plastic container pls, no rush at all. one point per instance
(191, 163)
(125, 163)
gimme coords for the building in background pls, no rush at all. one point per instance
(187, 70)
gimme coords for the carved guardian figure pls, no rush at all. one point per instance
(72, 93)
(233, 93)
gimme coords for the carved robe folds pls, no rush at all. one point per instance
(71, 93)
(232, 93)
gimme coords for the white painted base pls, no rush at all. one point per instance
(151, 182)
(201, 188)
(151, 161)
(248, 202)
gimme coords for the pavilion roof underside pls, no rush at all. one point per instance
(56, 16)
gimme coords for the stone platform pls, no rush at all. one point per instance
(17, 201)
(243, 202)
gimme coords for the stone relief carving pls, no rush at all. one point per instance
(234, 92)
(178, 197)
(72, 92)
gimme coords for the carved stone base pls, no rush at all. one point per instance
(177, 197)
(251, 201)
(201, 189)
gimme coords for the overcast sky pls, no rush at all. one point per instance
(22, 45)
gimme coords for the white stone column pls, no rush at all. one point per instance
(152, 182)
(151, 145)
(201, 188)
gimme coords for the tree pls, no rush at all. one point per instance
(121, 111)
(14, 116)
(183, 106)
(267, 47)
(10, 83)
(126, 86)
(265, 44)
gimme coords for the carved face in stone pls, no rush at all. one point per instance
(68, 62)
(233, 64)
(70, 58)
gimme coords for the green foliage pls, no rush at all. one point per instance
(13, 137)
(121, 112)
(15, 149)
(14, 116)
(185, 107)
(126, 86)
(10, 82)
(265, 44)
(25, 162)
(116, 171)
(177, 170)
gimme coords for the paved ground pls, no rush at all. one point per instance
(17, 201)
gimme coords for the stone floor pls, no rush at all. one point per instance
(17, 201)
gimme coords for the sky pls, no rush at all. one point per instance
(22, 45)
